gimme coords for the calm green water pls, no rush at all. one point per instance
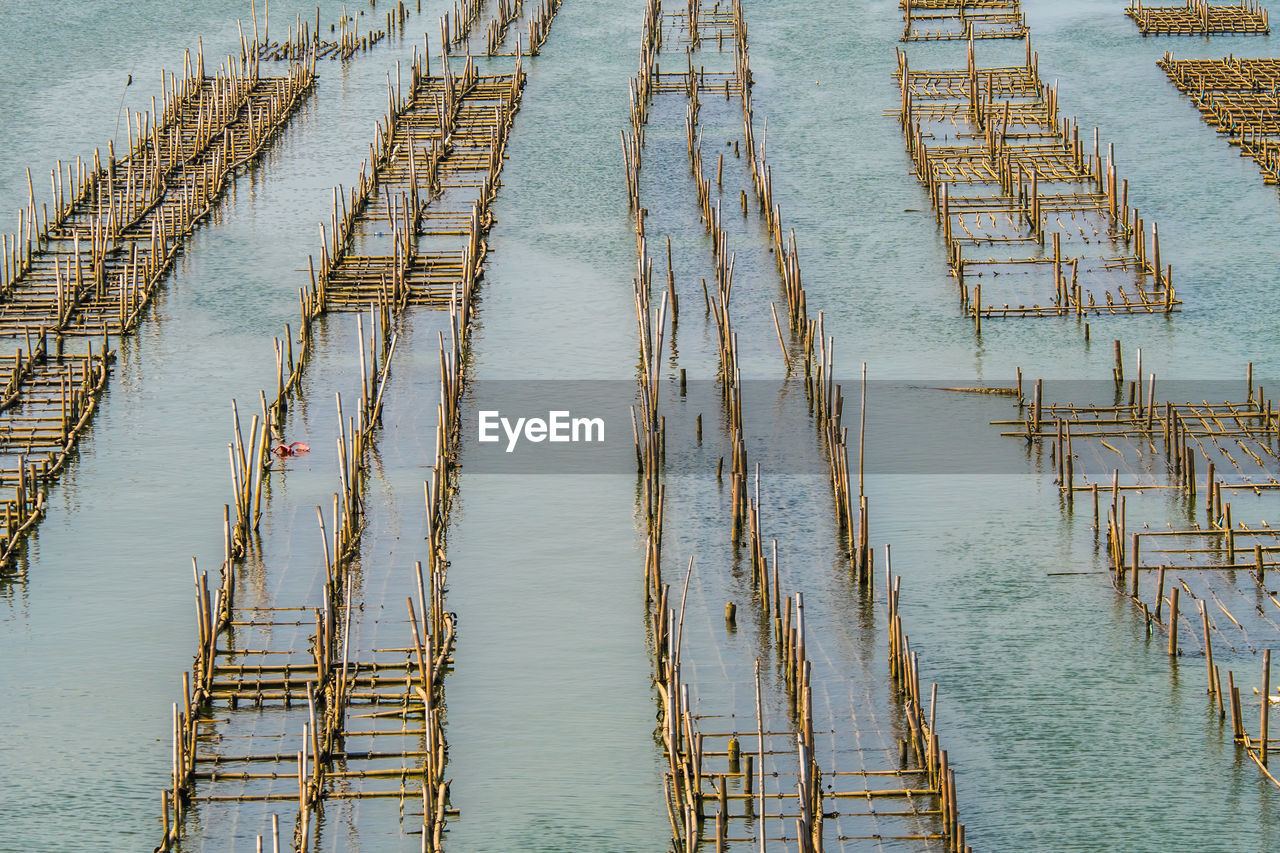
(1068, 730)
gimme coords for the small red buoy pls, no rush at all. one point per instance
(295, 449)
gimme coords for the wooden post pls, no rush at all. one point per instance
(1160, 593)
(1208, 646)
(1237, 726)
(1263, 746)
(1133, 556)
(760, 748)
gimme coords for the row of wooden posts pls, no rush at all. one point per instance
(827, 403)
(1184, 431)
(159, 142)
(537, 28)
(679, 730)
(723, 261)
(305, 41)
(432, 626)
(540, 25)
(1040, 148)
(818, 359)
(93, 266)
(1200, 18)
(922, 738)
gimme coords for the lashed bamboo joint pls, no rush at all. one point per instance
(1200, 18)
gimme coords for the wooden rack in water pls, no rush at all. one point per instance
(435, 171)
(359, 724)
(532, 26)
(722, 776)
(92, 265)
(304, 40)
(1179, 452)
(1200, 18)
(117, 224)
(1237, 97)
(336, 708)
(47, 404)
(946, 20)
(989, 146)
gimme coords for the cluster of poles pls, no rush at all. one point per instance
(537, 27)
(1016, 143)
(118, 223)
(47, 404)
(91, 265)
(690, 805)
(336, 679)
(304, 40)
(455, 26)
(1200, 18)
